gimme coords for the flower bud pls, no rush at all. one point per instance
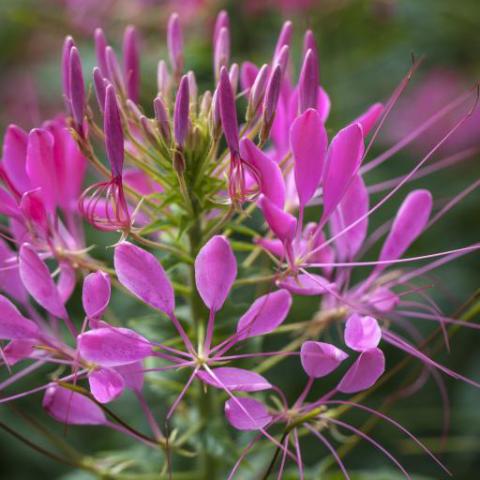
(222, 51)
(162, 119)
(68, 44)
(77, 89)
(113, 132)
(222, 21)
(284, 38)
(270, 103)
(228, 111)
(175, 44)
(163, 79)
(257, 91)
(114, 72)
(131, 63)
(181, 112)
(99, 86)
(100, 51)
(308, 83)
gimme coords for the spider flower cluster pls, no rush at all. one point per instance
(210, 178)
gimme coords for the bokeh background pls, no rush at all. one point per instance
(366, 48)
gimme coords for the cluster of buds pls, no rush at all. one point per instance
(185, 184)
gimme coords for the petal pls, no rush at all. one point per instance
(343, 160)
(283, 224)
(37, 280)
(319, 359)
(353, 206)
(14, 157)
(409, 223)
(362, 333)
(235, 379)
(307, 285)
(142, 274)
(112, 346)
(215, 272)
(106, 384)
(247, 414)
(272, 184)
(40, 165)
(308, 140)
(368, 119)
(133, 375)
(265, 314)
(10, 281)
(13, 325)
(364, 373)
(66, 281)
(96, 293)
(383, 300)
(72, 408)
(19, 349)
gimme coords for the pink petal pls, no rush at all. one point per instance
(66, 281)
(112, 346)
(40, 165)
(72, 408)
(235, 379)
(13, 325)
(364, 373)
(133, 375)
(247, 414)
(106, 384)
(264, 315)
(353, 206)
(19, 349)
(383, 300)
(273, 246)
(319, 359)
(308, 140)
(142, 274)
(362, 333)
(14, 157)
(8, 205)
(283, 224)
(10, 281)
(215, 272)
(37, 280)
(307, 285)
(33, 209)
(369, 118)
(409, 223)
(343, 160)
(271, 179)
(96, 293)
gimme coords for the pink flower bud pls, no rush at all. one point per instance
(308, 83)
(175, 44)
(181, 112)
(131, 63)
(100, 52)
(77, 89)
(113, 133)
(162, 119)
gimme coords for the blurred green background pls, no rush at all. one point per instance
(365, 50)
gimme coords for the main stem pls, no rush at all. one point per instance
(199, 316)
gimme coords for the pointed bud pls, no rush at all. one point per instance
(309, 43)
(77, 89)
(257, 92)
(113, 133)
(181, 112)
(214, 120)
(308, 83)
(248, 74)
(175, 44)
(192, 89)
(100, 87)
(100, 51)
(163, 79)
(131, 63)
(222, 21)
(222, 51)
(284, 38)
(206, 103)
(228, 111)
(283, 58)
(270, 103)
(68, 44)
(233, 75)
(162, 119)
(114, 71)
